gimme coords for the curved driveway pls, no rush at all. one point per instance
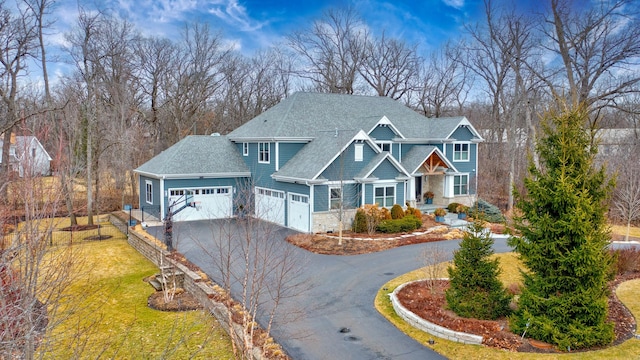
(340, 295)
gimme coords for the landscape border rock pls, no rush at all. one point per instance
(427, 326)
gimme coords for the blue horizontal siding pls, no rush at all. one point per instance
(154, 208)
(386, 171)
(382, 133)
(345, 167)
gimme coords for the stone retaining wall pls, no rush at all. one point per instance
(192, 283)
(424, 325)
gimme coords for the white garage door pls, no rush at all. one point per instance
(270, 205)
(299, 212)
(212, 203)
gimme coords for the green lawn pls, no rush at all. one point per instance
(622, 230)
(627, 292)
(104, 313)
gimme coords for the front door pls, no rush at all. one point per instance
(419, 189)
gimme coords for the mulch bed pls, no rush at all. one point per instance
(329, 245)
(430, 304)
(182, 301)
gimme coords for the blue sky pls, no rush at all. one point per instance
(254, 24)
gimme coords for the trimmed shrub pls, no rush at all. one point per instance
(359, 222)
(417, 213)
(386, 214)
(452, 207)
(397, 212)
(407, 223)
(490, 212)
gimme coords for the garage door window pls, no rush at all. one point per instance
(149, 192)
(298, 198)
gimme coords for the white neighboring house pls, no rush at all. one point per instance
(27, 156)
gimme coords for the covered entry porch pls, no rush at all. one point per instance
(431, 182)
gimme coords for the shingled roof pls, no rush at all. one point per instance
(302, 115)
(195, 156)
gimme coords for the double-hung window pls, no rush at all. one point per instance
(461, 185)
(460, 152)
(263, 152)
(149, 192)
(335, 198)
(384, 196)
(245, 149)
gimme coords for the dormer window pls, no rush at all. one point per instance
(384, 146)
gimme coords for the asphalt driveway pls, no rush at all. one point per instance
(340, 295)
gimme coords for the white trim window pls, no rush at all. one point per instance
(149, 192)
(263, 152)
(245, 149)
(384, 146)
(460, 151)
(384, 196)
(359, 152)
(461, 184)
(335, 198)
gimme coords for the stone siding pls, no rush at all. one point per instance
(328, 220)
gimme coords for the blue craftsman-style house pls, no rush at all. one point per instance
(312, 157)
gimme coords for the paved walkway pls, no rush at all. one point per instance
(340, 295)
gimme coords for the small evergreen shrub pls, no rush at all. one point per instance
(475, 290)
(407, 223)
(397, 212)
(490, 212)
(416, 212)
(359, 222)
(452, 207)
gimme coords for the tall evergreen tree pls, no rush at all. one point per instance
(475, 289)
(563, 238)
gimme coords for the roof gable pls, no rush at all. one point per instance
(376, 162)
(385, 122)
(427, 155)
(315, 157)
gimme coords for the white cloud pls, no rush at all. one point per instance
(236, 15)
(458, 4)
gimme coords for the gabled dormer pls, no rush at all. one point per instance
(384, 133)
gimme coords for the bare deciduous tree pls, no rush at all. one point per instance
(598, 45)
(258, 272)
(445, 83)
(331, 51)
(626, 201)
(390, 67)
(18, 36)
(434, 259)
